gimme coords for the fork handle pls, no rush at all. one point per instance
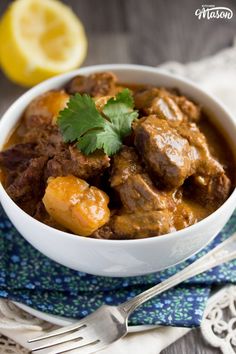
(224, 252)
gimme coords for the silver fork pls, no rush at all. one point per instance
(110, 323)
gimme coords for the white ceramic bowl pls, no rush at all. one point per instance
(125, 257)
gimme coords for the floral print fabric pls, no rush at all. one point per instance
(27, 276)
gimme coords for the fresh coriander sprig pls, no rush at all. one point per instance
(81, 122)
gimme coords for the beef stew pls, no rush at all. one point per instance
(174, 168)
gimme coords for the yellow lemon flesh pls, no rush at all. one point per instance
(40, 39)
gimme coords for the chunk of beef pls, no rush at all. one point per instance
(205, 164)
(137, 225)
(139, 193)
(126, 163)
(209, 189)
(189, 109)
(196, 139)
(184, 215)
(65, 159)
(98, 84)
(15, 160)
(44, 109)
(161, 102)
(141, 224)
(28, 185)
(168, 155)
(17, 155)
(133, 184)
(105, 232)
(47, 139)
(73, 162)
(209, 183)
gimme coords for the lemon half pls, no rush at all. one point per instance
(40, 39)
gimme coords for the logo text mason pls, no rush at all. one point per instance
(210, 12)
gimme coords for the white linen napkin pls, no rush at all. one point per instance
(216, 74)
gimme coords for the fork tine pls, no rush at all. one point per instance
(79, 325)
(61, 340)
(64, 348)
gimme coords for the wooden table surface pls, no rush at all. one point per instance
(145, 32)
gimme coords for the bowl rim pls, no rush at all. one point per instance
(124, 67)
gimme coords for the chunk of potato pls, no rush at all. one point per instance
(75, 205)
(44, 109)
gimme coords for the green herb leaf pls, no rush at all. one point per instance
(88, 142)
(78, 117)
(120, 112)
(109, 140)
(122, 103)
(80, 121)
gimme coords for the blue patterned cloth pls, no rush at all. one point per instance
(31, 278)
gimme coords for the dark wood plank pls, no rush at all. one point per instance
(104, 16)
(191, 343)
(99, 53)
(168, 30)
(9, 92)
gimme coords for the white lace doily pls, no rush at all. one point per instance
(8, 346)
(218, 75)
(15, 320)
(219, 323)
